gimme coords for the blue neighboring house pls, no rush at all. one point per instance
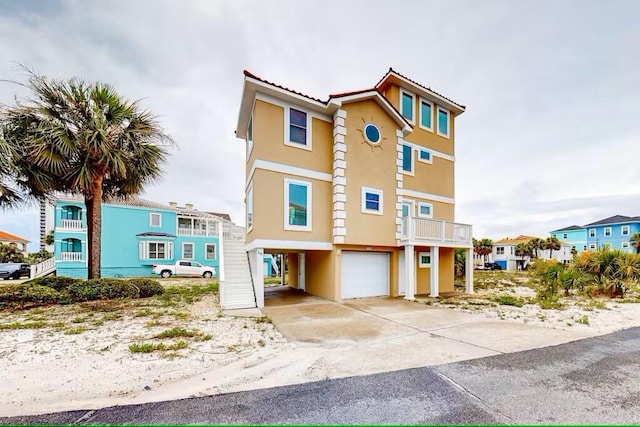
(614, 231)
(136, 234)
(575, 235)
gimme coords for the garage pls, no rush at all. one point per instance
(364, 274)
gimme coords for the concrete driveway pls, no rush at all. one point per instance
(383, 334)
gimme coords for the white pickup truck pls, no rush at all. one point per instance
(183, 267)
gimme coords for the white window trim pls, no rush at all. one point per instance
(498, 250)
(288, 226)
(143, 251)
(594, 232)
(412, 172)
(420, 118)
(420, 263)
(592, 246)
(420, 159)
(413, 105)
(420, 214)
(193, 251)
(605, 232)
(564, 235)
(215, 251)
(151, 216)
(448, 122)
(249, 140)
(623, 228)
(363, 207)
(287, 119)
(412, 207)
(625, 245)
(249, 203)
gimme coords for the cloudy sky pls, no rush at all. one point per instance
(549, 139)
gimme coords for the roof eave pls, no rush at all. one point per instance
(381, 101)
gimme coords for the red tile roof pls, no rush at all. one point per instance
(8, 236)
(391, 70)
(253, 76)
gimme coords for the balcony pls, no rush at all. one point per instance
(198, 232)
(71, 256)
(425, 230)
(71, 224)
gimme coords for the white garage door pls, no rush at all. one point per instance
(365, 274)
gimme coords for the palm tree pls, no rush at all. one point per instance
(83, 139)
(486, 247)
(635, 241)
(8, 194)
(523, 250)
(536, 244)
(553, 244)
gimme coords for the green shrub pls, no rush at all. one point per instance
(58, 283)
(509, 300)
(147, 287)
(95, 289)
(29, 295)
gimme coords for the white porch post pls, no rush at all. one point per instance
(220, 255)
(435, 275)
(410, 271)
(468, 275)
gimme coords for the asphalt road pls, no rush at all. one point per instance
(596, 380)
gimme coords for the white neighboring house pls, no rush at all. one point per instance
(504, 253)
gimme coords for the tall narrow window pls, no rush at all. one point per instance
(426, 114)
(250, 208)
(407, 105)
(407, 158)
(297, 205)
(297, 126)
(250, 137)
(443, 122)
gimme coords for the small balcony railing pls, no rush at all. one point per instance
(71, 256)
(211, 232)
(434, 230)
(71, 224)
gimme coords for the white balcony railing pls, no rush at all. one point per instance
(71, 224)
(71, 256)
(212, 232)
(434, 230)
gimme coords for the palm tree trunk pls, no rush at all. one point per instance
(94, 227)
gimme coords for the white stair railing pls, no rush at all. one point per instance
(43, 268)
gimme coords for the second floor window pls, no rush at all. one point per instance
(71, 212)
(426, 114)
(625, 230)
(297, 126)
(155, 220)
(592, 232)
(297, 205)
(407, 105)
(607, 231)
(443, 122)
(500, 250)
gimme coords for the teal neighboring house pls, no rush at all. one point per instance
(575, 235)
(136, 234)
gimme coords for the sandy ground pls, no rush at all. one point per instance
(81, 358)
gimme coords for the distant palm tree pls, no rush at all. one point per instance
(486, 247)
(523, 250)
(83, 139)
(536, 244)
(635, 241)
(553, 244)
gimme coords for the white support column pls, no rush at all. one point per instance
(468, 275)
(256, 260)
(220, 254)
(410, 272)
(435, 274)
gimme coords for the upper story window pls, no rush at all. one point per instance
(371, 201)
(425, 210)
(250, 207)
(592, 232)
(607, 231)
(297, 205)
(407, 158)
(443, 122)
(297, 128)
(424, 156)
(624, 230)
(71, 212)
(426, 114)
(71, 245)
(564, 236)
(407, 105)
(500, 250)
(155, 220)
(250, 137)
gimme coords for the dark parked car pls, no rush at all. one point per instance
(14, 270)
(492, 266)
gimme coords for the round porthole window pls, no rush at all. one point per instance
(372, 133)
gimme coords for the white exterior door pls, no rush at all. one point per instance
(364, 274)
(301, 271)
(402, 278)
